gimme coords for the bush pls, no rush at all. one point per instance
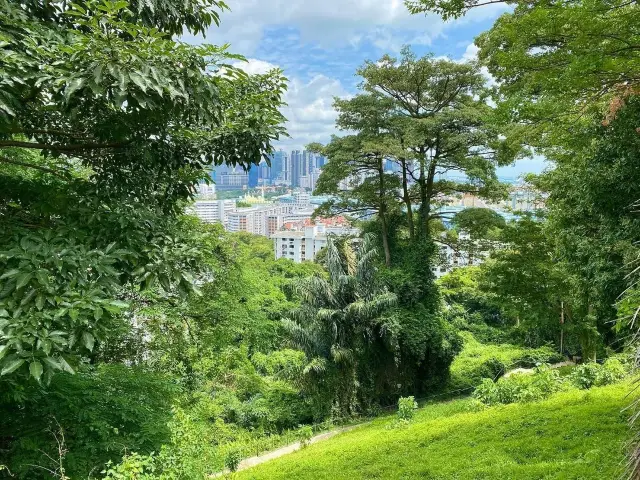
(132, 467)
(305, 434)
(520, 387)
(478, 361)
(407, 408)
(589, 374)
(545, 381)
(232, 459)
(102, 413)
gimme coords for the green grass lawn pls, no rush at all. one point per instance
(575, 435)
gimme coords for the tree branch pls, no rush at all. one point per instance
(61, 148)
(31, 165)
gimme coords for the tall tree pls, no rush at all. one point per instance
(106, 124)
(439, 120)
(356, 173)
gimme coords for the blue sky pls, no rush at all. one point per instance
(320, 43)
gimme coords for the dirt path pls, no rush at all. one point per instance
(253, 461)
(528, 371)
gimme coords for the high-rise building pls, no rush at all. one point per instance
(265, 174)
(279, 167)
(320, 161)
(253, 176)
(308, 160)
(213, 211)
(296, 168)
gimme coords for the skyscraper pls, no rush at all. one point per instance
(279, 161)
(254, 175)
(296, 168)
(307, 163)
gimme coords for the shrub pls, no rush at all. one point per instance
(102, 412)
(612, 370)
(407, 408)
(232, 459)
(520, 387)
(478, 360)
(589, 374)
(305, 434)
(584, 376)
(132, 467)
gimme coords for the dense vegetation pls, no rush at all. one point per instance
(138, 343)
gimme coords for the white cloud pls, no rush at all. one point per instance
(254, 66)
(309, 111)
(331, 23)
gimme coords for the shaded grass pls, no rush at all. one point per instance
(576, 435)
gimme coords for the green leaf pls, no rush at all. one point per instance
(65, 366)
(35, 369)
(97, 313)
(88, 340)
(12, 366)
(139, 80)
(3, 351)
(73, 86)
(23, 279)
(52, 363)
(11, 273)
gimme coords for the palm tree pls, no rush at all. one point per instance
(341, 317)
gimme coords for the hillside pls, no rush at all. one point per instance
(573, 435)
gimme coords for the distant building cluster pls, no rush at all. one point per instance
(298, 169)
(287, 220)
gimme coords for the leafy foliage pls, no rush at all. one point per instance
(106, 124)
(102, 412)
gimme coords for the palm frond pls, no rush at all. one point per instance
(317, 365)
(342, 355)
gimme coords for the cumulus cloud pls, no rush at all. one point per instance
(309, 111)
(254, 66)
(330, 23)
(309, 39)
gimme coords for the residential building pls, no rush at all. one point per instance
(258, 220)
(213, 211)
(305, 244)
(206, 191)
(466, 254)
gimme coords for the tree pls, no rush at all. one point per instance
(438, 121)
(106, 125)
(478, 222)
(340, 319)
(355, 174)
(525, 278)
(555, 61)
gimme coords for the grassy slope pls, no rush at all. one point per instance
(575, 435)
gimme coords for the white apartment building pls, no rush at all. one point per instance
(303, 245)
(213, 211)
(261, 220)
(206, 192)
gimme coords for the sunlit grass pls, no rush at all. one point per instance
(573, 435)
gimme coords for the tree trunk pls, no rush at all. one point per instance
(407, 199)
(382, 213)
(424, 199)
(429, 191)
